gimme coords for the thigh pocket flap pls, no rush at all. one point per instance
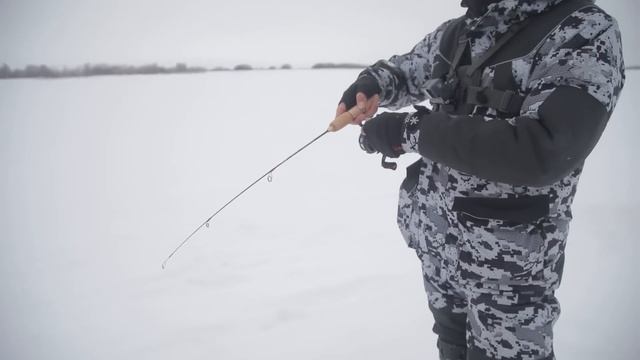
(522, 209)
(504, 238)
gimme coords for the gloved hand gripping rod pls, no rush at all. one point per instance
(337, 124)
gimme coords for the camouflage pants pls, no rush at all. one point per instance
(477, 325)
(490, 275)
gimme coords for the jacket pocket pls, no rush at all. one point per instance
(503, 239)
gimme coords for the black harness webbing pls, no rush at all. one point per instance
(470, 90)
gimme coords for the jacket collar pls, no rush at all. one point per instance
(500, 15)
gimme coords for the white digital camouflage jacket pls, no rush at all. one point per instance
(513, 177)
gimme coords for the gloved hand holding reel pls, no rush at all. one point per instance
(382, 134)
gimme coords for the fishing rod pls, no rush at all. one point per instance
(337, 124)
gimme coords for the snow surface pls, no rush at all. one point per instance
(103, 177)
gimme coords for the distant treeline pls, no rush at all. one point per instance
(323, 65)
(244, 67)
(44, 71)
(338, 66)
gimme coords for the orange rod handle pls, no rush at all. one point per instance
(344, 119)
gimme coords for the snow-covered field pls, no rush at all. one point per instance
(103, 177)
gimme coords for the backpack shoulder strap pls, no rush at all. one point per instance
(519, 42)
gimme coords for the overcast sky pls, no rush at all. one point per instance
(259, 32)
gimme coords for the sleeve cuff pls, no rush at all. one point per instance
(411, 133)
(382, 72)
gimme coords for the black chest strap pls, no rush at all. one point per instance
(470, 91)
(473, 93)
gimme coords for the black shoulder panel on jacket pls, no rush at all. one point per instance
(576, 120)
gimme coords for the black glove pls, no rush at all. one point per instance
(366, 84)
(383, 134)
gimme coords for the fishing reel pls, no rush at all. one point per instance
(364, 145)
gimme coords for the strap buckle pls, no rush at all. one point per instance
(476, 95)
(505, 101)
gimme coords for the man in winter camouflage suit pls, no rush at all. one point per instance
(521, 92)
